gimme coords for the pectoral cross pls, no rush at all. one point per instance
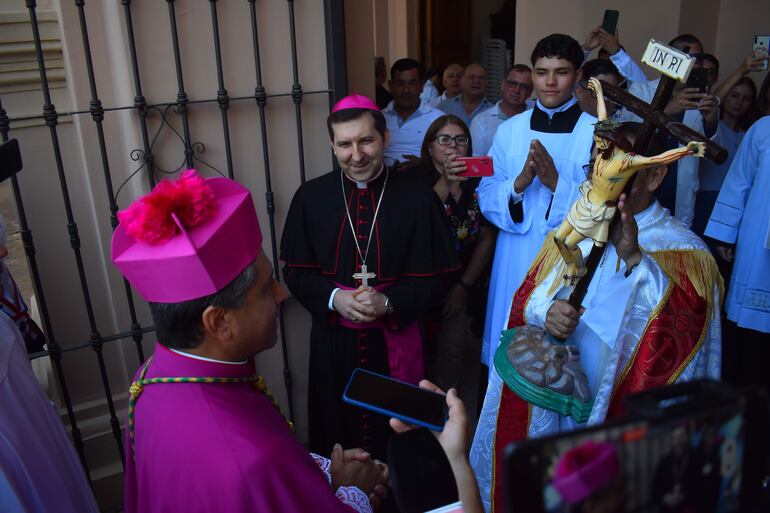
(364, 276)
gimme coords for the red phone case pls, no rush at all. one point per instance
(477, 166)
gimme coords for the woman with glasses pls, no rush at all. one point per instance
(463, 308)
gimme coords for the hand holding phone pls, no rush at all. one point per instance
(476, 166)
(388, 396)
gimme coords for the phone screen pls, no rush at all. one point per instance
(610, 21)
(760, 48)
(402, 400)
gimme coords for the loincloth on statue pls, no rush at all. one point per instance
(588, 219)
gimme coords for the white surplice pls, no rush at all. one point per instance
(519, 242)
(741, 216)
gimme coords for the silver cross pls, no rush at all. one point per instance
(364, 276)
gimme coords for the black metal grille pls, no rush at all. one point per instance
(149, 171)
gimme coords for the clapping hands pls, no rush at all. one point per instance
(539, 163)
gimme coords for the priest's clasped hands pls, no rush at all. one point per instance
(364, 304)
(562, 319)
(539, 164)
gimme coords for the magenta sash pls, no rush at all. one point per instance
(404, 346)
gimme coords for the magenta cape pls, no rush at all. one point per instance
(216, 447)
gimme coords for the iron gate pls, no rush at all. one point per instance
(164, 115)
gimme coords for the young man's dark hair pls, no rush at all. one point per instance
(560, 46)
(407, 64)
(178, 325)
(684, 40)
(342, 116)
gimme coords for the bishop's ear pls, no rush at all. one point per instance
(216, 323)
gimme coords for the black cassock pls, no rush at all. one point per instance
(412, 252)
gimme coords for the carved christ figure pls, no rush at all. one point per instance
(614, 166)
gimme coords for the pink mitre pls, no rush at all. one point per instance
(355, 101)
(584, 470)
(187, 239)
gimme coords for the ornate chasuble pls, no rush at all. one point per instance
(411, 254)
(672, 335)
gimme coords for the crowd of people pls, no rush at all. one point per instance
(410, 269)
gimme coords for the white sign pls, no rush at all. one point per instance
(669, 61)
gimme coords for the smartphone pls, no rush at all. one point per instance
(394, 398)
(699, 79)
(477, 166)
(610, 21)
(760, 48)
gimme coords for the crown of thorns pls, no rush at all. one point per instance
(608, 125)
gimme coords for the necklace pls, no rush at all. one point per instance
(136, 388)
(364, 275)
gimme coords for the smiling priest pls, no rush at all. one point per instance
(367, 251)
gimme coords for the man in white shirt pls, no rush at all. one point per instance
(471, 100)
(516, 88)
(407, 120)
(451, 78)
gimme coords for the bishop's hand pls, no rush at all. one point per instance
(347, 305)
(368, 475)
(625, 237)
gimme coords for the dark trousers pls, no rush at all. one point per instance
(745, 356)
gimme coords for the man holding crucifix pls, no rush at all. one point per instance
(366, 251)
(645, 315)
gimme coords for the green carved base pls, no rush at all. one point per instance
(566, 404)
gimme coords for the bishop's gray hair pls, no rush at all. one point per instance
(178, 325)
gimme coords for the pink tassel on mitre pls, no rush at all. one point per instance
(149, 218)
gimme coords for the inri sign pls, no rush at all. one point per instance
(669, 61)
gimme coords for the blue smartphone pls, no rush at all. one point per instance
(394, 398)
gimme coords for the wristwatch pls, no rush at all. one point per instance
(388, 306)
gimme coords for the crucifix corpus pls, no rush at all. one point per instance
(523, 352)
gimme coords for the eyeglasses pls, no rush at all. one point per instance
(446, 140)
(518, 85)
(587, 168)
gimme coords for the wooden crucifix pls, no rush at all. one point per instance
(673, 65)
